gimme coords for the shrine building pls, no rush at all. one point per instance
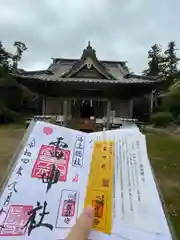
(87, 92)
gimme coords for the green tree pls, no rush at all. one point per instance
(156, 62)
(11, 92)
(171, 61)
(5, 57)
(20, 48)
(171, 100)
(5, 67)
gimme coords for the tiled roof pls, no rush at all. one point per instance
(116, 69)
(43, 76)
(64, 70)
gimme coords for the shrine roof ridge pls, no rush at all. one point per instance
(77, 59)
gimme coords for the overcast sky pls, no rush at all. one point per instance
(118, 29)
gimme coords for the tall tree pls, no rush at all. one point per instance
(156, 61)
(20, 48)
(171, 61)
(5, 58)
(12, 94)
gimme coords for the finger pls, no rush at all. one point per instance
(83, 225)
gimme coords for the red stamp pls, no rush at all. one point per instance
(68, 208)
(75, 178)
(48, 130)
(15, 221)
(49, 155)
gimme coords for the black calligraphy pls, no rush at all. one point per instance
(59, 145)
(32, 223)
(67, 220)
(32, 143)
(19, 171)
(27, 153)
(77, 160)
(12, 187)
(6, 203)
(25, 160)
(51, 178)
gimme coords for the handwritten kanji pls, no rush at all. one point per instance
(67, 220)
(19, 171)
(25, 160)
(32, 144)
(80, 138)
(8, 199)
(27, 153)
(51, 178)
(12, 186)
(78, 153)
(2, 211)
(77, 161)
(59, 143)
(32, 223)
(80, 145)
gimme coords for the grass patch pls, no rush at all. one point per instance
(164, 153)
(9, 140)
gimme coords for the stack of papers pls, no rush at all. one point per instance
(57, 171)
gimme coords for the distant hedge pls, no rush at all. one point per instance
(161, 119)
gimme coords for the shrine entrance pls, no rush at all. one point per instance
(86, 110)
(86, 130)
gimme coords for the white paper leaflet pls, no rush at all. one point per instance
(135, 202)
(46, 187)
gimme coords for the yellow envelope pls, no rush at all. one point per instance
(100, 185)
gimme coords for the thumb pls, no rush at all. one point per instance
(83, 225)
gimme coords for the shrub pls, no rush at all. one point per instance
(13, 116)
(161, 119)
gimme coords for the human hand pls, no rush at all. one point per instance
(83, 225)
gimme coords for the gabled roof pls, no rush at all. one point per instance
(65, 70)
(89, 59)
(108, 69)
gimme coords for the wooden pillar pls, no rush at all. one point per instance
(131, 103)
(69, 109)
(151, 101)
(44, 106)
(65, 111)
(95, 106)
(108, 113)
(79, 103)
(60, 107)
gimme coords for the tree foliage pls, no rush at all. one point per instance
(156, 61)
(20, 48)
(171, 60)
(163, 63)
(161, 119)
(11, 92)
(171, 100)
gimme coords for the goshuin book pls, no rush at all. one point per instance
(57, 171)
